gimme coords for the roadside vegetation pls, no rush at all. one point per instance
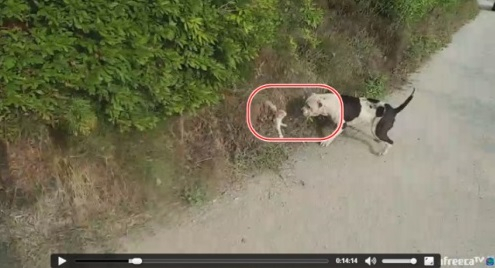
(116, 113)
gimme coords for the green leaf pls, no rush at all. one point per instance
(9, 63)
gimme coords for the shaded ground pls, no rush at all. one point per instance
(433, 192)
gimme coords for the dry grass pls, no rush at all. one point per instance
(101, 186)
(61, 199)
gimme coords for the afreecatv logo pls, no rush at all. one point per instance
(490, 261)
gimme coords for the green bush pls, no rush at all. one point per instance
(73, 63)
(406, 11)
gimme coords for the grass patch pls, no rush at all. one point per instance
(422, 46)
(268, 157)
(376, 86)
(194, 194)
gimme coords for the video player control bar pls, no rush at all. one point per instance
(243, 260)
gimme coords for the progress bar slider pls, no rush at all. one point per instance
(136, 261)
(400, 261)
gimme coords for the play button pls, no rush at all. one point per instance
(61, 261)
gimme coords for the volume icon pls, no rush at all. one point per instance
(370, 261)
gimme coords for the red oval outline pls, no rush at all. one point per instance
(265, 86)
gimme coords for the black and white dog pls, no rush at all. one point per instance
(380, 115)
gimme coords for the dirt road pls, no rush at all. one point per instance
(433, 192)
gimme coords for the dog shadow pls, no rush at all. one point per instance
(364, 138)
(325, 126)
(293, 107)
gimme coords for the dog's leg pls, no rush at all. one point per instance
(373, 129)
(385, 149)
(381, 131)
(280, 115)
(278, 126)
(329, 141)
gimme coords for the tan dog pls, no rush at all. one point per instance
(279, 116)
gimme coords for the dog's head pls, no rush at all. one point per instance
(280, 114)
(313, 106)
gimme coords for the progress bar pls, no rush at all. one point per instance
(238, 261)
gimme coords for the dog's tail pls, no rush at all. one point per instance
(406, 102)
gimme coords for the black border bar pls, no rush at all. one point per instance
(239, 260)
